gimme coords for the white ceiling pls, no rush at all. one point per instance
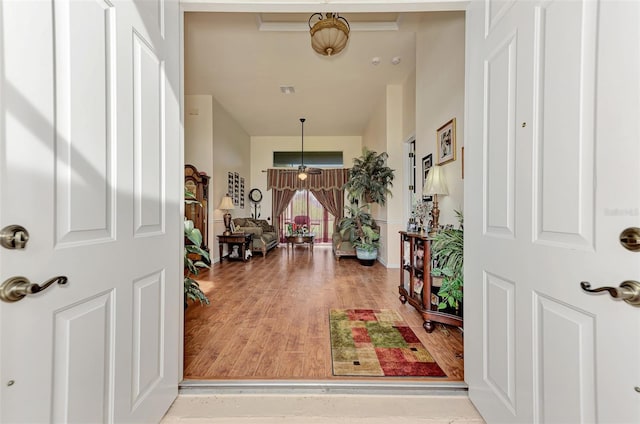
(243, 67)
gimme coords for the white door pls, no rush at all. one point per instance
(553, 112)
(90, 165)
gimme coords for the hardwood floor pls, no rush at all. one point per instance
(269, 317)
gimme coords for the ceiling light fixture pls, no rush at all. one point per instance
(329, 33)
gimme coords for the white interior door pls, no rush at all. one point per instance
(90, 165)
(553, 129)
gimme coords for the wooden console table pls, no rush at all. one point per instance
(419, 269)
(242, 240)
(300, 239)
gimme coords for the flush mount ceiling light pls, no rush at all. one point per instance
(329, 33)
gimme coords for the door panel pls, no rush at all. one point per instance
(551, 352)
(82, 356)
(148, 138)
(564, 102)
(564, 362)
(85, 121)
(500, 89)
(85, 166)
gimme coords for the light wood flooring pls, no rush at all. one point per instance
(269, 317)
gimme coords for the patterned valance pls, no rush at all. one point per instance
(287, 179)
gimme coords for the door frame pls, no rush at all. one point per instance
(348, 6)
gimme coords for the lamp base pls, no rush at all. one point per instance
(435, 215)
(227, 224)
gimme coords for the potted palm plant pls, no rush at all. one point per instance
(370, 177)
(369, 182)
(195, 258)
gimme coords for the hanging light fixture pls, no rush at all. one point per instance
(302, 170)
(329, 33)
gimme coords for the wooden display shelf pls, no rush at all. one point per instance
(422, 301)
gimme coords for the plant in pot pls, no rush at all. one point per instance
(369, 182)
(370, 177)
(447, 247)
(359, 227)
(195, 258)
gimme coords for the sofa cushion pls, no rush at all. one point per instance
(256, 231)
(239, 222)
(269, 237)
(266, 227)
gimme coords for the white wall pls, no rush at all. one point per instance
(384, 133)
(409, 107)
(216, 144)
(440, 97)
(262, 148)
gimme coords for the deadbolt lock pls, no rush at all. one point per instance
(630, 239)
(14, 237)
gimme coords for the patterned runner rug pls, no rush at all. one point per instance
(376, 343)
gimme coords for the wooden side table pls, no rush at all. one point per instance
(243, 240)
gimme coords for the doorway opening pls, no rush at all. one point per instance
(303, 268)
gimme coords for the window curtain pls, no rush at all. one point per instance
(333, 201)
(326, 186)
(287, 179)
(280, 201)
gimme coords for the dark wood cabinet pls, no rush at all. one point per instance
(417, 284)
(198, 183)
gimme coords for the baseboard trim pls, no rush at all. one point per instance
(400, 388)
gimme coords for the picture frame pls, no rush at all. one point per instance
(446, 142)
(427, 163)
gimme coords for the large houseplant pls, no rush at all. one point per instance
(370, 177)
(447, 248)
(369, 182)
(195, 258)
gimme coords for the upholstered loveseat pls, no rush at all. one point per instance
(265, 237)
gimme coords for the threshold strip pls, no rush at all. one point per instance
(401, 388)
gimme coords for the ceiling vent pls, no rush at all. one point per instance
(287, 89)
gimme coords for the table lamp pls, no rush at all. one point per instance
(226, 205)
(434, 186)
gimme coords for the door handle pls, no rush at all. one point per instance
(629, 291)
(14, 237)
(15, 288)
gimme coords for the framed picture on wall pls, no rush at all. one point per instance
(427, 163)
(446, 142)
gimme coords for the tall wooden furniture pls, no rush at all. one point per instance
(417, 285)
(198, 183)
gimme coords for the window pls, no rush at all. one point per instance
(320, 222)
(313, 159)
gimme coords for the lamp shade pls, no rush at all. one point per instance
(226, 204)
(329, 34)
(436, 183)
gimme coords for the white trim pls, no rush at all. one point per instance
(312, 6)
(304, 27)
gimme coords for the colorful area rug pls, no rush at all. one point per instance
(377, 343)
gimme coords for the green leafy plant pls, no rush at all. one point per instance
(192, 266)
(447, 247)
(358, 225)
(370, 177)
